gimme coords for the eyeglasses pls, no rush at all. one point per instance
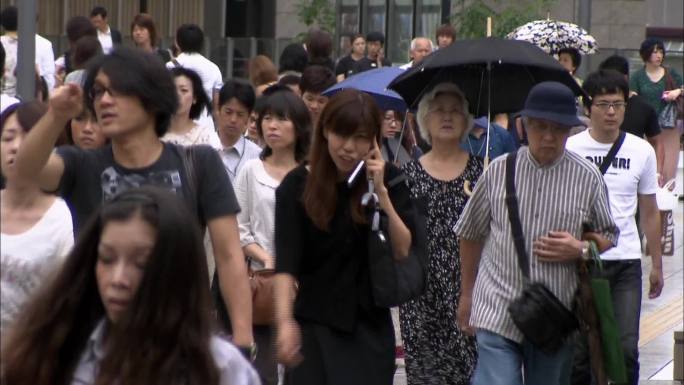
(605, 106)
(391, 119)
(97, 91)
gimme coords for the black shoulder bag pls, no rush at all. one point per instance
(612, 152)
(539, 315)
(393, 281)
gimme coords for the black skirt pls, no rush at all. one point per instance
(331, 357)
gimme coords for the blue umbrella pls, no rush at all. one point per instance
(374, 82)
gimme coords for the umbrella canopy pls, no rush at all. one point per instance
(509, 68)
(374, 83)
(553, 35)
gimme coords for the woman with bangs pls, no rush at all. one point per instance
(333, 333)
(117, 311)
(184, 129)
(284, 126)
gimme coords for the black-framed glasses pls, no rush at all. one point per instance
(97, 91)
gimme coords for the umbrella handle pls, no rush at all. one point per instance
(466, 188)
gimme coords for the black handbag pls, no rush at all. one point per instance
(394, 282)
(539, 315)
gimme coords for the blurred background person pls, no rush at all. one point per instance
(429, 328)
(85, 49)
(392, 147)
(333, 324)
(650, 82)
(315, 79)
(293, 60)
(570, 59)
(184, 128)
(420, 48)
(76, 28)
(319, 47)
(116, 313)
(284, 126)
(500, 140)
(144, 35)
(109, 37)
(37, 231)
(262, 73)
(345, 66)
(445, 35)
(375, 58)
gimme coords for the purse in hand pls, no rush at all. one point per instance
(539, 315)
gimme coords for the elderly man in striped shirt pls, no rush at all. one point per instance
(558, 192)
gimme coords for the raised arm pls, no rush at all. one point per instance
(35, 159)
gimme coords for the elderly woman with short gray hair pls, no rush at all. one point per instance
(437, 351)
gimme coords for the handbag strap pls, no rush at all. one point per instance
(612, 152)
(514, 216)
(669, 82)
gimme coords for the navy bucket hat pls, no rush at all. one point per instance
(554, 102)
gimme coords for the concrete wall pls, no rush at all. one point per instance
(287, 23)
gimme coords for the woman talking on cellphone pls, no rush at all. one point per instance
(333, 333)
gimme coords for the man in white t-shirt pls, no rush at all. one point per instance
(631, 179)
(189, 40)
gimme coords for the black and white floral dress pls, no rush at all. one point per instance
(437, 352)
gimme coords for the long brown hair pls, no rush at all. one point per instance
(163, 338)
(347, 113)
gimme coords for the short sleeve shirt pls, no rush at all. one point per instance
(92, 177)
(640, 118)
(366, 64)
(632, 173)
(345, 66)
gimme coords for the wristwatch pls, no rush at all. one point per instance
(249, 352)
(586, 255)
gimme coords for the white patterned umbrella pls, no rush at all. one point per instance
(553, 35)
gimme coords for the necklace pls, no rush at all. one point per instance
(233, 173)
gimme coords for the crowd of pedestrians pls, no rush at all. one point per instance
(148, 201)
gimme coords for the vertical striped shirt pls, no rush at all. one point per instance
(561, 196)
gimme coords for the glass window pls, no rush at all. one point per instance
(377, 11)
(400, 31)
(348, 25)
(429, 18)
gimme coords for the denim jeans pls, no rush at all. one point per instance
(502, 361)
(625, 287)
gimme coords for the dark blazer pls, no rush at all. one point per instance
(116, 36)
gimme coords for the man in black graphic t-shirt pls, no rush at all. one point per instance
(133, 97)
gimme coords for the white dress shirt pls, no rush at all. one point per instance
(105, 39)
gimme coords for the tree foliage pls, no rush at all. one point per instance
(319, 13)
(471, 21)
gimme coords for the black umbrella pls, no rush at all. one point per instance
(510, 68)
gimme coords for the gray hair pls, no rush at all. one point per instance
(426, 102)
(415, 41)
